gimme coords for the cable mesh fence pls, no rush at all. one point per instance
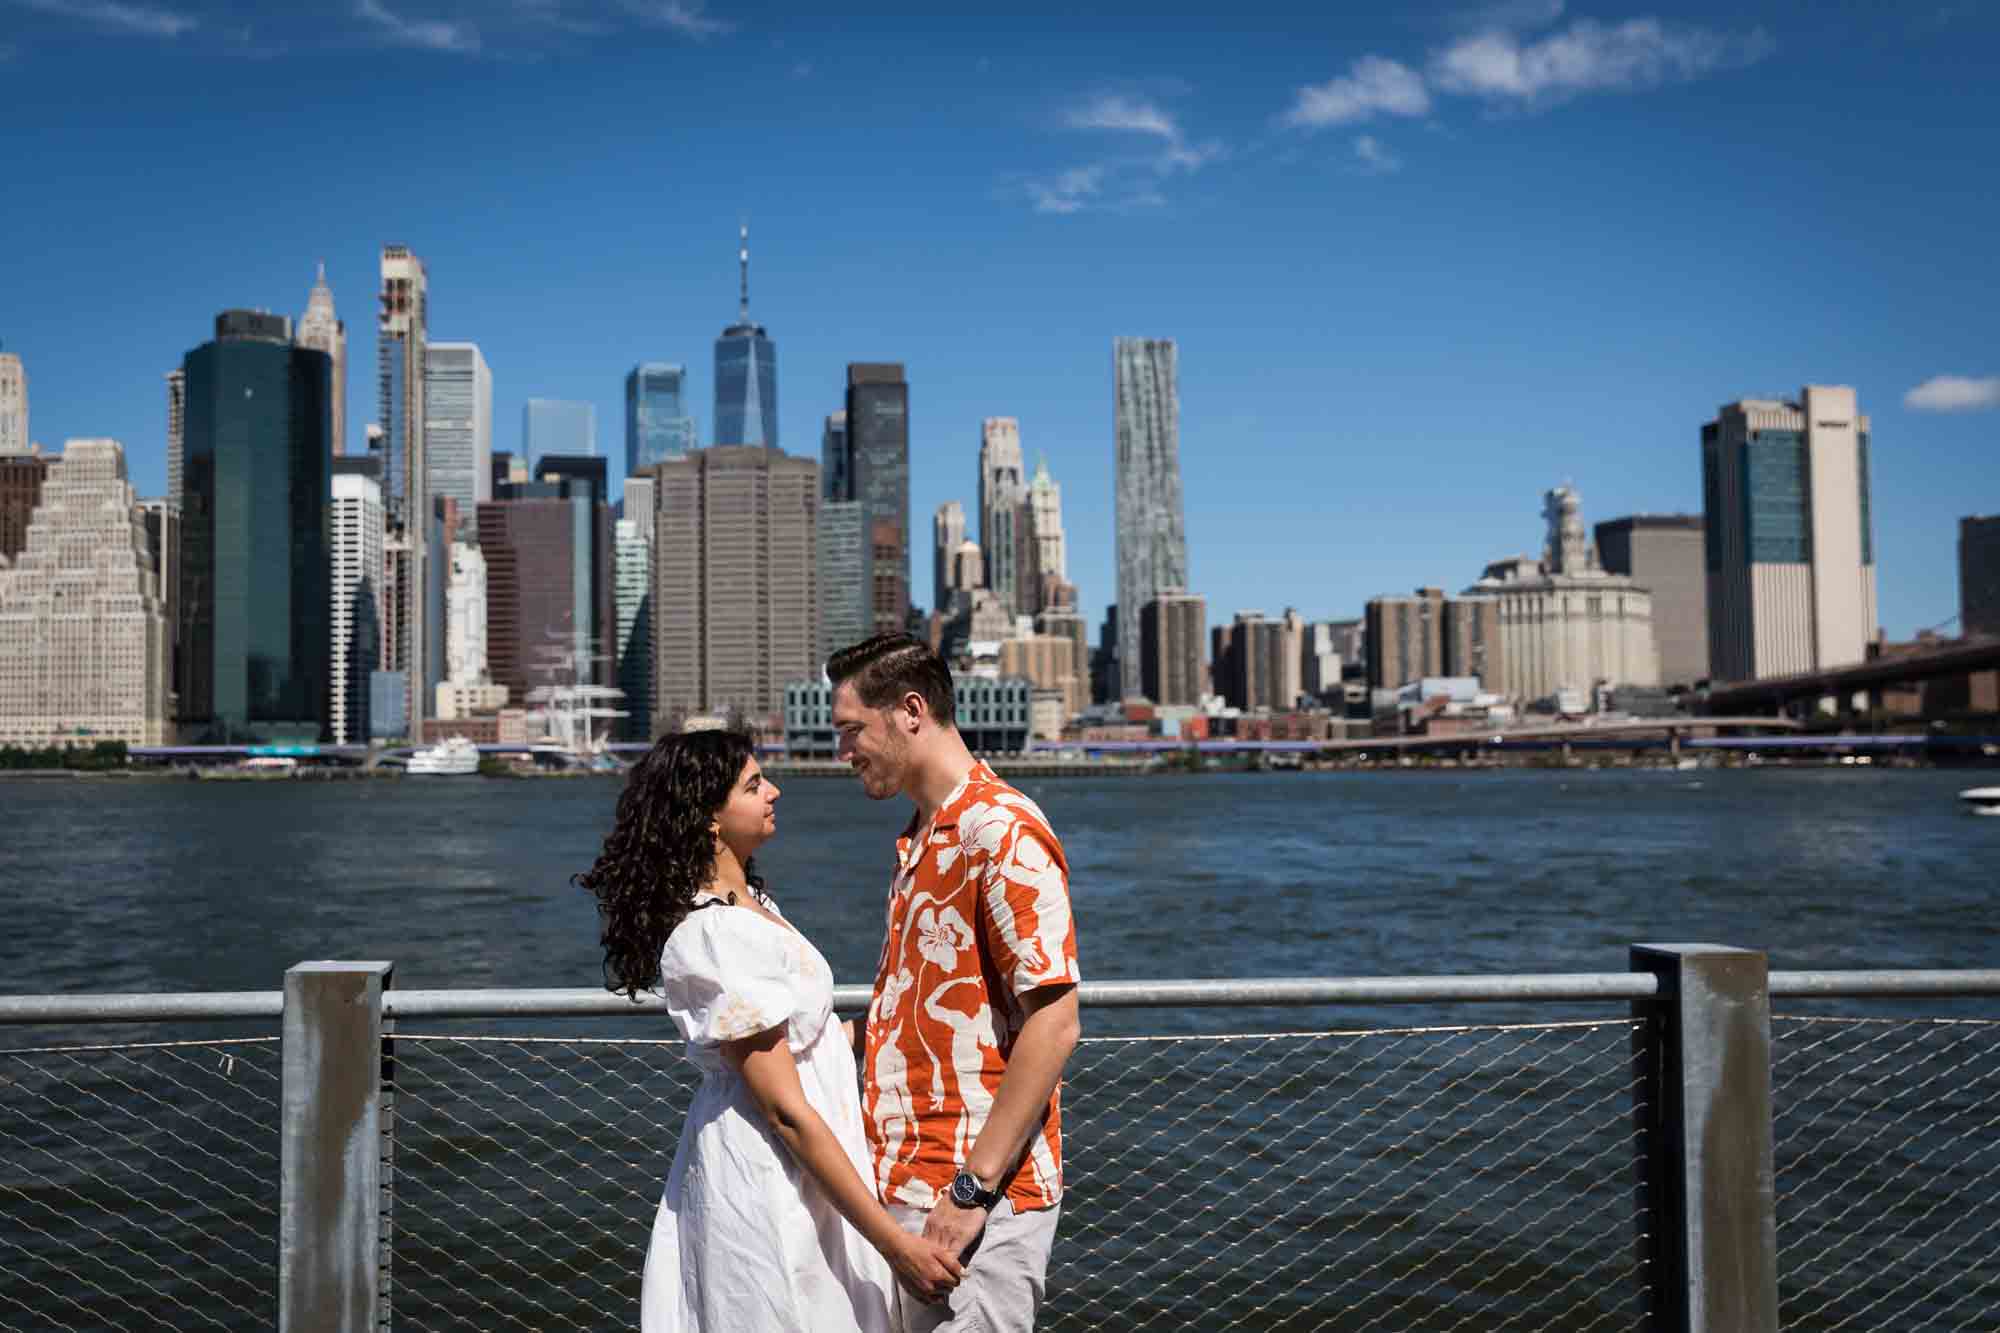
(1444, 1178)
(1886, 1148)
(139, 1185)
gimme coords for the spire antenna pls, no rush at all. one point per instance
(743, 260)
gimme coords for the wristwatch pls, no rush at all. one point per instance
(967, 1192)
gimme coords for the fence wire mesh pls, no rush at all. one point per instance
(139, 1185)
(1886, 1148)
(1443, 1178)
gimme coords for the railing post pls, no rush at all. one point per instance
(331, 1221)
(1702, 1055)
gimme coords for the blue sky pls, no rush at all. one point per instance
(1422, 262)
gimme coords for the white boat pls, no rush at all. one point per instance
(454, 756)
(1981, 800)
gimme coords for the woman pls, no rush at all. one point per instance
(750, 1235)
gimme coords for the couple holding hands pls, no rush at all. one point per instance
(920, 1192)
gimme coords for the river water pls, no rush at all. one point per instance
(157, 885)
(1367, 1169)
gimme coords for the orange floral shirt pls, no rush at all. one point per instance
(979, 914)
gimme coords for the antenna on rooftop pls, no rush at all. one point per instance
(743, 260)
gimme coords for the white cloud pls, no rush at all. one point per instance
(1129, 115)
(115, 16)
(1375, 159)
(1069, 192)
(1589, 56)
(1373, 86)
(1124, 113)
(1955, 393)
(683, 16)
(422, 34)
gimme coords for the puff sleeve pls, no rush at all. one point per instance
(722, 978)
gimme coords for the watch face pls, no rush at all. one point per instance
(964, 1189)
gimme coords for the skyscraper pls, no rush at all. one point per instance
(322, 330)
(1790, 555)
(746, 372)
(414, 596)
(176, 434)
(548, 586)
(356, 588)
(1979, 575)
(554, 426)
(839, 563)
(735, 594)
(840, 542)
(256, 574)
(1047, 555)
(632, 610)
(458, 425)
(1152, 542)
(82, 633)
(878, 442)
(836, 475)
(402, 331)
(658, 425)
(13, 405)
(1002, 492)
(947, 535)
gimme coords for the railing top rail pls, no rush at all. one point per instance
(1273, 992)
(1885, 983)
(164, 1006)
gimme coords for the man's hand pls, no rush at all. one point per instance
(929, 1269)
(954, 1227)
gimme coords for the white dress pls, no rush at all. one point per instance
(745, 1239)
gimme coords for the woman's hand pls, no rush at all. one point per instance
(924, 1266)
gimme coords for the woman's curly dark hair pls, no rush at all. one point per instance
(659, 853)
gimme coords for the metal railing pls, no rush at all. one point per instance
(1665, 1154)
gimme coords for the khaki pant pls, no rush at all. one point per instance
(1004, 1278)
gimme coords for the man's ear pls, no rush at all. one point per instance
(911, 711)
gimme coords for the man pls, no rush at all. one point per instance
(975, 1008)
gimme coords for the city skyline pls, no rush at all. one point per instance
(1388, 323)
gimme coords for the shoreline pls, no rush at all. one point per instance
(1030, 768)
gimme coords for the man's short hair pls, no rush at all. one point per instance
(889, 666)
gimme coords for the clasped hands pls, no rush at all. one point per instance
(932, 1264)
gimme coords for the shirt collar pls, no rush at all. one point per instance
(979, 775)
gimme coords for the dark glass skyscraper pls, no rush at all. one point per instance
(878, 449)
(657, 423)
(746, 374)
(255, 579)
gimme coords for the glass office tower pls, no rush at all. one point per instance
(746, 374)
(657, 423)
(256, 572)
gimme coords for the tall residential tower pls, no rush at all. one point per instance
(878, 445)
(414, 596)
(1152, 542)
